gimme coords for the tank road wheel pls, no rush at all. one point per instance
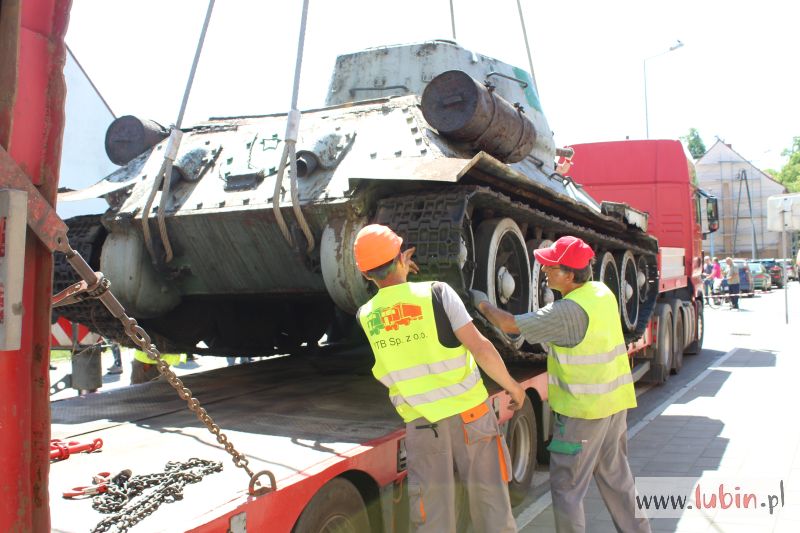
(629, 291)
(661, 363)
(605, 270)
(541, 294)
(337, 507)
(521, 439)
(503, 270)
(641, 278)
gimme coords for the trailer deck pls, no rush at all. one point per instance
(290, 418)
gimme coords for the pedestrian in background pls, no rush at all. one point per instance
(732, 277)
(426, 349)
(590, 387)
(116, 368)
(708, 268)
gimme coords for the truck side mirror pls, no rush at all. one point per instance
(712, 214)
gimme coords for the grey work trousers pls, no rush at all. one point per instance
(439, 452)
(581, 449)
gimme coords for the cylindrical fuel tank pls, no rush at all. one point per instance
(463, 109)
(129, 136)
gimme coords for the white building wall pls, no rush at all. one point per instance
(719, 172)
(83, 157)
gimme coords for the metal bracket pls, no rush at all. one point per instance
(42, 218)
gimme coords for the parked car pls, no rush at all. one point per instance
(775, 271)
(761, 279)
(745, 277)
(791, 270)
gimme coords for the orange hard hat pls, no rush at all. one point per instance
(375, 245)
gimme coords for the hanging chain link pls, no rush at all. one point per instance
(99, 287)
(133, 498)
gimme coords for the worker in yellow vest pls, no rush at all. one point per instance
(427, 352)
(590, 387)
(144, 369)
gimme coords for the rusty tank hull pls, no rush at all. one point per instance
(448, 147)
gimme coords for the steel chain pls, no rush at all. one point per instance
(140, 337)
(166, 486)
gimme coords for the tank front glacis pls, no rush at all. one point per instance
(237, 285)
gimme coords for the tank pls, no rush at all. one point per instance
(448, 147)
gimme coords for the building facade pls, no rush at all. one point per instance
(742, 190)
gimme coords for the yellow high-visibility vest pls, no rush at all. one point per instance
(593, 379)
(425, 378)
(171, 359)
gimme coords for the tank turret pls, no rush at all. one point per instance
(449, 147)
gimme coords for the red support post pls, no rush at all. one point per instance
(32, 93)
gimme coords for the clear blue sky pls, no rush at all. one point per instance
(736, 76)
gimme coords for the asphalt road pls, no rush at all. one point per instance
(725, 329)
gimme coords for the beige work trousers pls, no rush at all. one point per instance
(582, 449)
(450, 451)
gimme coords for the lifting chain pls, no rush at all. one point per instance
(132, 499)
(140, 337)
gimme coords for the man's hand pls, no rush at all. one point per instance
(478, 297)
(517, 397)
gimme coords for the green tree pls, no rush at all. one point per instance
(694, 143)
(789, 175)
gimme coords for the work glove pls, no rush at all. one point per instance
(478, 297)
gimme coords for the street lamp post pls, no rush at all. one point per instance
(675, 46)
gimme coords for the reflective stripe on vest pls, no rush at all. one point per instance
(594, 388)
(593, 379)
(424, 369)
(425, 379)
(439, 394)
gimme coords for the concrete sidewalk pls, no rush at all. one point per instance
(735, 423)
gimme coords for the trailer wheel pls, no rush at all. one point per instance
(521, 439)
(679, 338)
(338, 506)
(503, 270)
(662, 358)
(697, 344)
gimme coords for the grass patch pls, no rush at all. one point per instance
(60, 355)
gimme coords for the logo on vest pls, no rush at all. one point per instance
(391, 318)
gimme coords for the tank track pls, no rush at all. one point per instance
(86, 234)
(433, 222)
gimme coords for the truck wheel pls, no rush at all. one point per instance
(521, 439)
(697, 344)
(679, 337)
(337, 506)
(662, 359)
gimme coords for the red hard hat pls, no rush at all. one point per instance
(375, 245)
(568, 251)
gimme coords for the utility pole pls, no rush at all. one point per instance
(742, 178)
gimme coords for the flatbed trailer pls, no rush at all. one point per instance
(308, 423)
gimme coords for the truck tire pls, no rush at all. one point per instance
(521, 439)
(697, 344)
(662, 358)
(679, 336)
(338, 506)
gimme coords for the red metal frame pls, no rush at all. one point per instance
(32, 93)
(652, 176)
